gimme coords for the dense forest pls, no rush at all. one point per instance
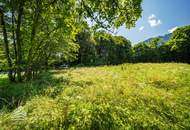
(62, 67)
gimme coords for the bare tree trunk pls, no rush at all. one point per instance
(6, 46)
(18, 41)
(13, 37)
(33, 34)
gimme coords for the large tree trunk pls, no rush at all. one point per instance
(18, 41)
(6, 46)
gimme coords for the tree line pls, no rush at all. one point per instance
(102, 48)
(156, 50)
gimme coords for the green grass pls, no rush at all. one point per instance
(129, 96)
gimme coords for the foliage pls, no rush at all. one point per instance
(38, 32)
(149, 52)
(128, 96)
(103, 49)
(112, 49)
(87, 54)
(176, 49)
(180, 44)
(2, 57)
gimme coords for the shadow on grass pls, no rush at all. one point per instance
(168, 85)
(13, 95)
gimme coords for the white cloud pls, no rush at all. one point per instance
(153, 16)
(141, 28)
(172, 29)
(154, 21)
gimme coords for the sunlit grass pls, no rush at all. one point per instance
(128, 96)
(3, 79)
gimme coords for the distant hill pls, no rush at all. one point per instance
(165, 38)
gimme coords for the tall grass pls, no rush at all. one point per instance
(128, 96)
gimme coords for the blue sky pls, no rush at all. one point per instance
(159, 17)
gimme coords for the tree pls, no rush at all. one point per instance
(180, 44)
(2, 57)
(140, 52)
(87, 53)
(155, 49)
(112, 49)
(6, 46)
(124, 49)
(40, 28)
(152, 51)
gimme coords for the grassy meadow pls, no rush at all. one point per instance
(128, 96)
